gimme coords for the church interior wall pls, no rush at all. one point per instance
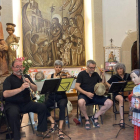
(6, 14)
(120, 24)
(109, 19)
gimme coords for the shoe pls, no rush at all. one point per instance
(42, 134)
(87, 126)
(96, 124)
(121, 124)
(51, 130)
(61, 136)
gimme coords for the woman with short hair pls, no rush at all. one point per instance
(60, 98)
(119, 76)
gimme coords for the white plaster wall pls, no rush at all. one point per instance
(6, 14)
(119, 16)
(0, 16)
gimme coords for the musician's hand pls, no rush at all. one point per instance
(28, 81)
(90, 95)
(102, 72)
(24, 85)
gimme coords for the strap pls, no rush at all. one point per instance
(61, 135)
(86, 120)
(95, 118)
(60, 130)
(52, 75)
(127, 75)
(118, 76)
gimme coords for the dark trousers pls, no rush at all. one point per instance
(13, 112)
(61, 103)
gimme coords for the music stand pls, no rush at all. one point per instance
(129, 87)
(119, 87)
(56, 85)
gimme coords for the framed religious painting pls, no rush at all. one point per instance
(52, 30)
(112, 57)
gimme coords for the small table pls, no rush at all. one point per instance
(72, 95)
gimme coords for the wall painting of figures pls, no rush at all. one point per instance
(53, 29)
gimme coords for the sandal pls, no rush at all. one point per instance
(121, 124)
(61, 136)
(51, 130)
(87, 126)
(96, 124)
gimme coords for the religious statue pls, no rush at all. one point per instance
(3, 52)
(10, 39)
(111, 57)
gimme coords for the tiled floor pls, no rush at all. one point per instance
(105, 132)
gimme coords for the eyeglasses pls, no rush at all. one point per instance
(19, 66)
(92, 68)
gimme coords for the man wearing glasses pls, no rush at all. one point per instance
(85, 83)
(17, 100)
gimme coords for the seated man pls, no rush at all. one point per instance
(17, 100)
(85, 83)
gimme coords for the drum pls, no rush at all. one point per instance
(39, 76)
(99, 89)
(135, 105)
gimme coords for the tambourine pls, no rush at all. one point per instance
(99, 89)
(39, 76)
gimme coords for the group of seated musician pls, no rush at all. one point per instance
(17, 97)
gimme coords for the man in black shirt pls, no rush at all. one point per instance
(17, 100)
(85, 83)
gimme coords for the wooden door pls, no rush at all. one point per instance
(134, 63)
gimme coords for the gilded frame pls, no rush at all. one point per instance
(112, 57)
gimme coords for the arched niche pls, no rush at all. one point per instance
(126, 50)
